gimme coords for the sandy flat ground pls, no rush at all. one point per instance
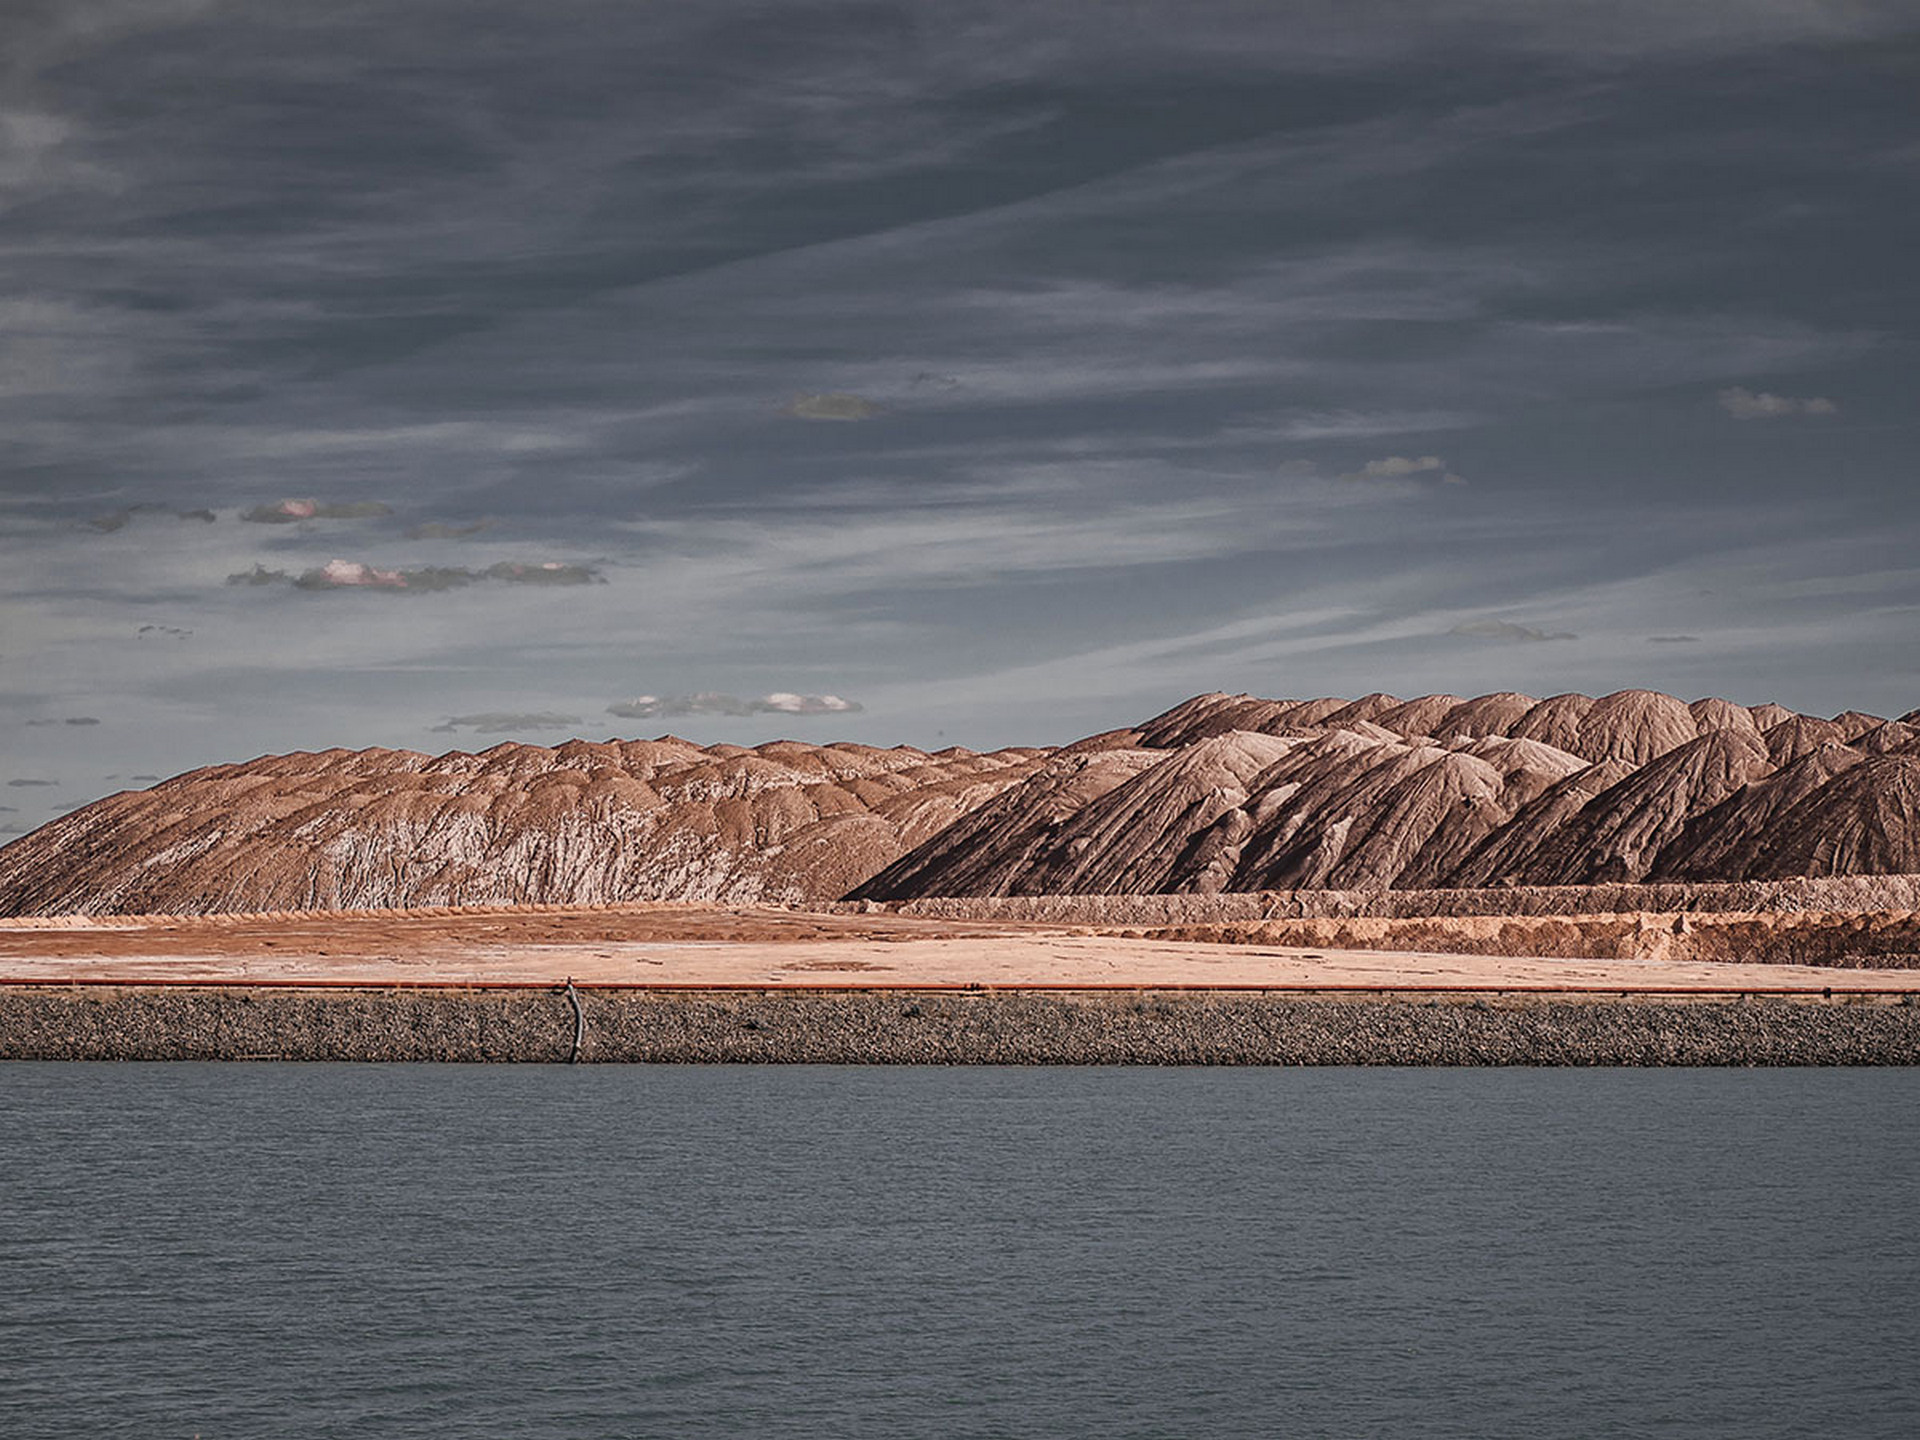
(690, 945)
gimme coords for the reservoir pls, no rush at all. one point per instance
(493, 1251)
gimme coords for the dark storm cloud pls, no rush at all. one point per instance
(651, 707)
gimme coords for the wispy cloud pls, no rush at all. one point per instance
(830, 406)
(447, 530)
(502, 722)
(357, 575)
(116, 520)
(69, 720)
(1744, 404)
(1399, 467)
(1507, 630)
(780, 702)
(1673, 639)
(291, 512)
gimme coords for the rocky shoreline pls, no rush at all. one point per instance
(946, 1028)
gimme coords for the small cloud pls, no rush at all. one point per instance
(260, 575)
(651, 707)
(15, 829)
(1673, 639)
(1398, 467)
(144, 779)
(1744, 404)
(353, 575)
(69, 720)
(118, 519)
(782, 703)
(31, 784)
(350, 574)
(707, 702)
(1507, 630)
(496, 722)
(289, 512)
(835, 405)
(8, 810)
(547, 572)
(442, 530)
(173, 632)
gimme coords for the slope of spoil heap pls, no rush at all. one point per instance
(1223, 793)
(581, 823)
(1236, 793)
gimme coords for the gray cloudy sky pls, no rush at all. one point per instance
(959, 373)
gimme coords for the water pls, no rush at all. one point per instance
(253, 1250)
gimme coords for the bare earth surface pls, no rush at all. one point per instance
(696, 946)
(1222, 794)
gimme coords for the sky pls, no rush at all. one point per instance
(429, 375)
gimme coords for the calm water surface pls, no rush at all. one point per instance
(251, 1250)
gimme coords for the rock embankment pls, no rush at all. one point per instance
(944, 1029)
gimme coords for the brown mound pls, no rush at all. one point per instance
(1503, 857)
(1725, 838)
(584, 823)
(1801, 735)
(1221, 793)
(1418, 717)
(1640, 784)
(1855, 723)
(1866, 821)
(1496, 714)
(1618, 835)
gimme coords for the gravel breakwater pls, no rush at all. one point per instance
(947, 1028)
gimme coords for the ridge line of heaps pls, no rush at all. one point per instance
(1220, 793)
(1233, 793)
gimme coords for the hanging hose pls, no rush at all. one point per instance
(579, 1023)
